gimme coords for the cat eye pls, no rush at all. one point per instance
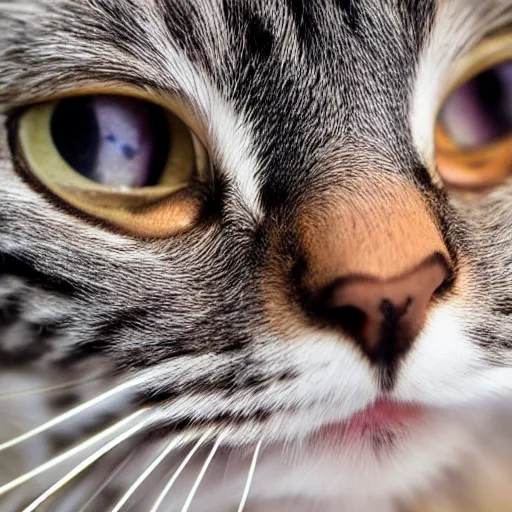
(126, 161)
(473, 133)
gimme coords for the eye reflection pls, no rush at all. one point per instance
(113, 140)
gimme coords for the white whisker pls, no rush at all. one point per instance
(245, 495)
(177, 473)
(199, 478)
(84, 465)
(45, 389)
(67, 454)
(179, 440)
(67, 415)
(105, 483)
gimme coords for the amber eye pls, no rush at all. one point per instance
(121, 159)
(474, 126)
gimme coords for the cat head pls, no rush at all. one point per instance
(307, 256)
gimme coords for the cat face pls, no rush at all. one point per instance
(322, 269)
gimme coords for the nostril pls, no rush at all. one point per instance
(444, 271)
(349, 318)
(444, 287)
(390, 310)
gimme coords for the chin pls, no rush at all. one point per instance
(328, 475)
(358, 465)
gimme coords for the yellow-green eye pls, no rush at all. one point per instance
(118, 158)
(474, 126)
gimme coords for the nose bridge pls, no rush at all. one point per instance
(380, 229)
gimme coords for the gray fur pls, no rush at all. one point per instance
(306, 95)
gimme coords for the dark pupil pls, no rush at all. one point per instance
(491, 91)
(480, 111)
(113, 140)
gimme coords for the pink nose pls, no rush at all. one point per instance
(385, 316)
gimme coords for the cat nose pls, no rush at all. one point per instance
(385, 316)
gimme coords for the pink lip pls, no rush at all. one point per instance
(382, 415)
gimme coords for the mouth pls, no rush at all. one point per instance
(383, 418)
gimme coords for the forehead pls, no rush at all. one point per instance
(284, 87)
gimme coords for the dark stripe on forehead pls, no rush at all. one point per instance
(301, 11)
(251, 34)
(418, 16)
(350, 14)
(185, 25)
(259, 37)
(120, 24)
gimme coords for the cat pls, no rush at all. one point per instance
(309, 317)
